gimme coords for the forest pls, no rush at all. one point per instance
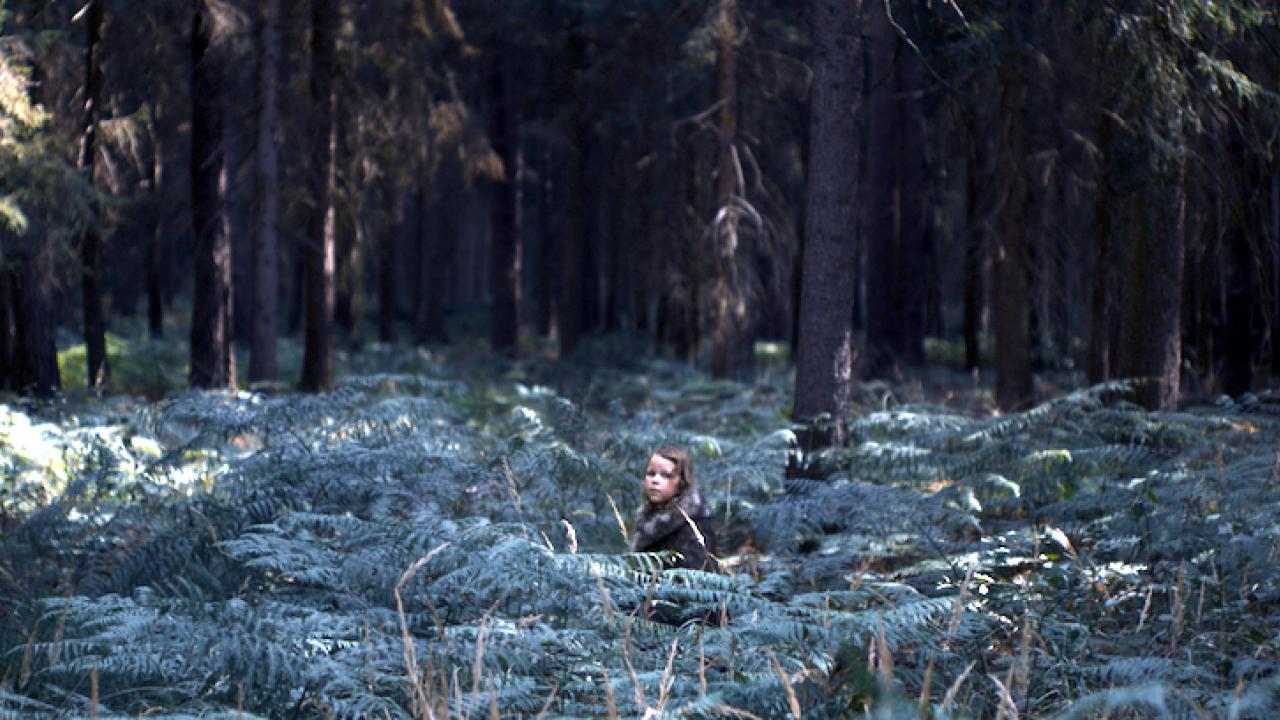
(335, 336)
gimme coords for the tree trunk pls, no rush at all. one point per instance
(504, 257)
(239, 213)
(388, 267)
(350, 239)
(979, 182)
(35, 361)
(1102, 300)
(90, 242)
(1244, 317)
(437, 252)
(896, 187)
(729, 314)
(824, 352)
(548, 248)
(6, 331)
(1152, 338)
(1275, 271)
(266, 269)
(317, 359)
(156, 233)
(212, 361)
(569, 310)
(1014, 388)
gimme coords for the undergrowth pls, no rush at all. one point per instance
(448, 542)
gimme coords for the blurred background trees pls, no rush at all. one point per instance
(1008, 188)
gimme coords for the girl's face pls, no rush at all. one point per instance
(661, 481)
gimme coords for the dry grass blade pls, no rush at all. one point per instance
(950, 697)
(611, 703)
(1022, 672)
(926, 685)
(1008, 708)
(793, 702)
(493, 700)
(631, 670)
(542, 712)
(884, 662)
(24, 669)
(573, 536)
(702, 665)
(664, 687)
(93, 693)
(736, 713)
(958, 610)
(697, 533)
(421, 702)
(604, 593)
(622, 526)
(477, 666)
(1146, 608)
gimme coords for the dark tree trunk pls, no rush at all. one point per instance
(90, 242)
(1102, 294)
(824, 353)
(387, 269)
(35, 360)
(6, 332)
(729, 315)
(1242, 334)
(240, 215)
(504, 256)
(1152, 338)
(896, 189)
(266, 270)
(979, 182)
(156, 235)
(212, 361)
(1275, 270)
(548, 249)
(317, 359)
(569, 309)
(1013, 363)
(437, 250)
(349, 243)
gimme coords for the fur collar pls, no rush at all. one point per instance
(655, 522)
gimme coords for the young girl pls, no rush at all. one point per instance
(660, 524)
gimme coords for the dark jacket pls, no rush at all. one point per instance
(664, 527)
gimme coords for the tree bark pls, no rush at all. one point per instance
(1242, 336)
(824, 352)
(1102, 295)
(505, 256)
(1275, 270)
(35, 362)
(896, 188)
(569, 309)
(266, 257)
(317, 360)
(979, 182)
(212, 361)
(90, 241)
(729, 311)
(1152, 338)
(388, 267)
(156, 233)
(6, 331)
(1014, 388)
(437, 244)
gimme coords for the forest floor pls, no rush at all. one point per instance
(443, 536)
